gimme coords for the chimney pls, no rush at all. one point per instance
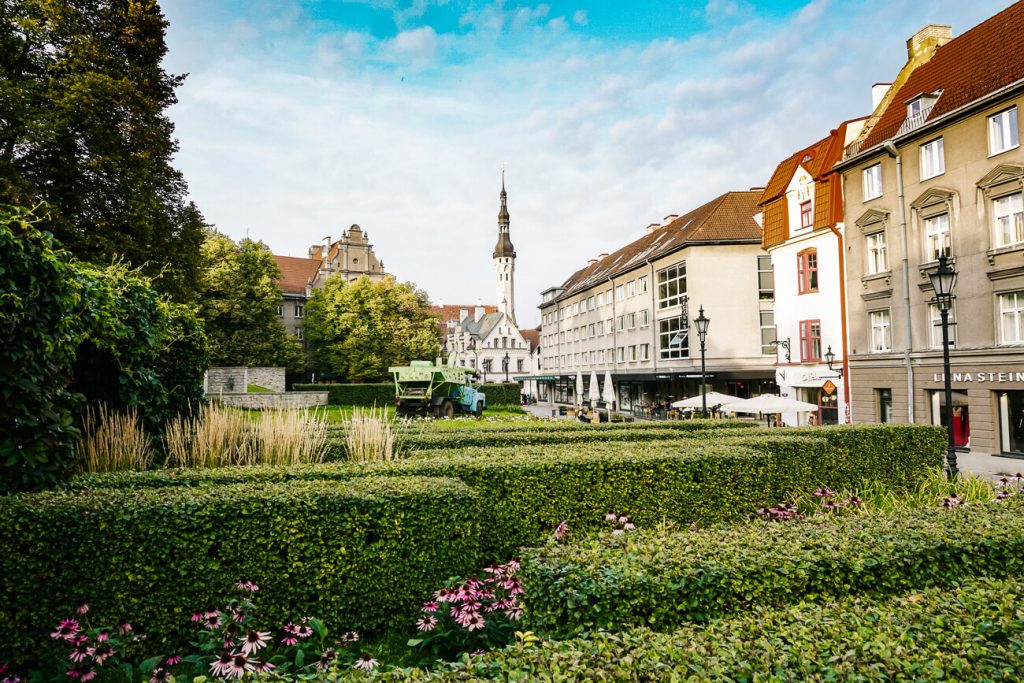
(669, 218)
(327, 246)
(602, 256)
(478, 313)
(928, 38)
(591, 262)
(652, 227)
(463, 313)
(878, 91)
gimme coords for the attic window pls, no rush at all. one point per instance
(920, 105)
(807, 157)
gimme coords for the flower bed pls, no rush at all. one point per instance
(662, 580)
(973, 632)
(360, 554)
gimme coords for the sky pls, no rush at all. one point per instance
(299, 118)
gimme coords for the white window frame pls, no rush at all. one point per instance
(933, 159)
(935, 321)
(643, 318)
(877, 253)
(880, 324)
(872, 180)
(631, 288)
(645, 352)
(643, 284)
(932, 237)
(1011, 310)
(1003, 133)
(672, 278)
(1008, 217)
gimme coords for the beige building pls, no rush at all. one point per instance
(939, 170)
(630, 313)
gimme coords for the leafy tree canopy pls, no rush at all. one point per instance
(239, 297)
(357, 329)
(83, 128)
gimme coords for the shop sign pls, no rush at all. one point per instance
(1001, 377)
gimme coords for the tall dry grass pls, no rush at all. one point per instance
(111, 441)
(370, 435)
(217, 436)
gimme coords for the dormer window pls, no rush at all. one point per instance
(919, 106)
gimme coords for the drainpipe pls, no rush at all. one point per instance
(842, 322)
(615, 341)
(650, 321)
(893, 152)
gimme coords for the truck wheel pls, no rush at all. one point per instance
(479, 408)
(447, 410)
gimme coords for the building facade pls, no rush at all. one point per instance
(803, 234)
(629, 313)
(940, 172)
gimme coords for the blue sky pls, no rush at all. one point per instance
(299, 119)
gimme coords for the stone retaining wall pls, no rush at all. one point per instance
(235, 380)
(291, 399)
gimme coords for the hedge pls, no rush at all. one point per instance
(664, 579)
(359, 554)
(972, 633)
(502, 393)
(382, 394)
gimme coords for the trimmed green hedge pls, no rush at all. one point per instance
(662, 580)
(359, 554)
(502, 393)
(382, 394)
(972, 633)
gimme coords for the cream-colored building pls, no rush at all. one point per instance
(630, 312)
(939, 170)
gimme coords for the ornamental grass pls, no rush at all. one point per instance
(112, 441)
(370, 435)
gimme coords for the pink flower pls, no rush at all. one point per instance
(87, 675)
(562, 530)
(240, 664)
(426, 623)
(306, 631)
(159, 675)
(124, 628)
(430, 606)
(623, 519)
(611, 517)
(102, 636)
(474, 621)
(289, 627)
(365, 662)
(263, 667)
(83, 608)
(172, 660)
(198, 616)
(212, 620)
(102, 653)
(247, 586)
(325, 660)
(350, 637)
(514, 613)
(222, 665)
(289, 640)
(629, 526)
(66, 630)
(255, 641)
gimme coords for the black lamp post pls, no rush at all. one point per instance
(476, 359)
(504, 361)
(830, 358)
(702, 322)
(943, 281)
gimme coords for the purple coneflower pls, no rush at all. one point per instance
(611, 517)
(172, 660)
(430, 606)
(350, 637)
(212, 620)
(562, 530)
(124, 628)
(304, 631)
(426, 623)
(325, 660)
(263, 667)
(514, 613)
(102, 653)
(159, 675)
(83, 608)
(255, 641)
(289, 640)
(365, 662)
(221, 665)
(239, 665)
(66, 630)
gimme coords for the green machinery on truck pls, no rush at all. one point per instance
(426, 388)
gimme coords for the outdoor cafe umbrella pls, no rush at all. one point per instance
(609, 390)
(579, 388)
(768, 403)
(595, 388)
(713, 397)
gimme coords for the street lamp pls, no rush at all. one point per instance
(476, 359)
(943, 280)
(830, 358)
(702, 322)
(504, 362)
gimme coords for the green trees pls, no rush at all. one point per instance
(83, 129)
(238, 301)
(357, 329)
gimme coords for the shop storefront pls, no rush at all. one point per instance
(816, 385)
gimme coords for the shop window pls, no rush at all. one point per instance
(961, 416)
(1011, 419)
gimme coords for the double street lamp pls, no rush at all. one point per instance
(943, 280)
(701, 322)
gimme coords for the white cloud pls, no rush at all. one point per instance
(579, 17)
(418, 45)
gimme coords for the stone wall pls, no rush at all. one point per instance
(235, 380)
(291, 399)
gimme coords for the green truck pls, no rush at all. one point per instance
(426, 388)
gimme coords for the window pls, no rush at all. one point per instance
(600, 327)
(299, 309)
(933, 159)
(610, 325)
(632, 353)
(765, 278)
(1009, 220)
(644, 322)
(1011, 318)
(487, 364)
(936, 236)
(622, 322)
(593, 329)
(631, 321)
(600, 356)
(935, 318)
(645, 352)
(806, 217)
(673, 338)
(767, 333)
(877, 260)
(590, 303)
(576, 308)
(298, 332)
(881, 331)
(519, 365)
(631, 288)
(622, 354)
(884, 405)
(280, 311)
(1002, 131)
(643, 284)
(618, 293)
(873, 181)
(810, 340)
(807, 271)
(672, 285)
(600, 299)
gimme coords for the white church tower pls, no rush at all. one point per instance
(504, 258)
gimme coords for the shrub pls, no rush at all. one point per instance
(365, 395)
(369, 436)
(664, 579)
(112, 441)
(360, 554)
(502, 393)
(974, 633)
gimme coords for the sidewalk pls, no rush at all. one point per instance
(987, 465)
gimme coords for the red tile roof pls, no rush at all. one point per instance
(452, 311)
(986, 58)
(727, 218)
(296, 272)
(532, 335)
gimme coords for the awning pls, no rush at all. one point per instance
(542, 378)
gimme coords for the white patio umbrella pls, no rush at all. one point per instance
(609, 390)
(714, 399)
(769, 403)
(595, 388)
(579, 388)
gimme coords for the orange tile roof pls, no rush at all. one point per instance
(296, 272)
(531, 335)
(776, 223)
(452, 312)
(986, 58)
(727, 218)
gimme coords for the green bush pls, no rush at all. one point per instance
(664, 579)
(359, 554)
(363, 395)
(502, 393)
(972, 633)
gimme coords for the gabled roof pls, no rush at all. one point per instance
(727, 218)
(484, 326)
(296, 272)
(986, 58)
(531, 335)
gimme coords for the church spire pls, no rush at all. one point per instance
(503, 218)
(504, 259)
(504, 246)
